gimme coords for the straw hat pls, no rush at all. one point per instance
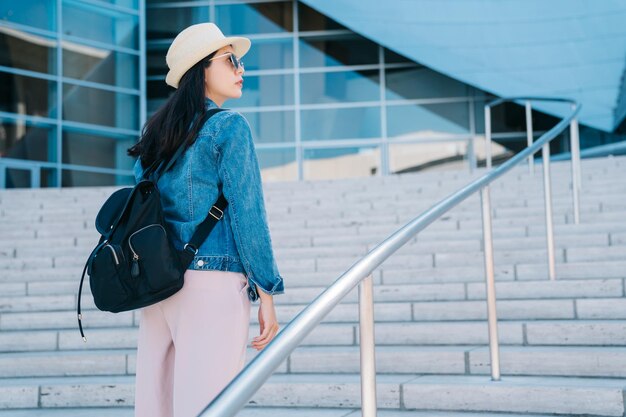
(194, 43)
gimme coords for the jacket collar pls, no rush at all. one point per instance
(209, 103)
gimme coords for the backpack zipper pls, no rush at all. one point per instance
(117, 261)
(130, 244)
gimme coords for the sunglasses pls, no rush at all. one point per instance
(236, 62)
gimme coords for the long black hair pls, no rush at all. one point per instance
(167, 128)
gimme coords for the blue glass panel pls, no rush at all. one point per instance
(166, 23)
(394, 58)
(95, 150)
(131, 4)
(28, 51)
(438, 154)
(333, 87)
(326, 51)
(265, 90)
(278, 164)
(100, 107)
(101, 66)
(427, 120)
(238, 19)
(361, 161)
(362, 122)
(75, 178)
(271, 126)
(38, 13)
(310, 19)
(27, 95)
(21, 178)
(421, 82)
(155, 61)
(86, 21)
(269, 54)
(23, 140)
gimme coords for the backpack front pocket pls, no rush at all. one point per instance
(105, 278)
(154, 261)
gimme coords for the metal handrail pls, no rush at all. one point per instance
(235, 395)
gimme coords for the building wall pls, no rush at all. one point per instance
(79, 79)
(70, 80)
(315, 92)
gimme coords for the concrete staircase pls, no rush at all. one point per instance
(563, 342)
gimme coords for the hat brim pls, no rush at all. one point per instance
(240, 45)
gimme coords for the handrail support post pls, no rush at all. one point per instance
(492, 319)
(547, 188)
(529, 137)
(576, 177)
(367, 347)
(488, 136)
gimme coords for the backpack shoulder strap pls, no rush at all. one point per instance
(159, 170)
(216, 212)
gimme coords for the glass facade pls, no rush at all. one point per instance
(323, 101)
(70, 102)
(80, 77)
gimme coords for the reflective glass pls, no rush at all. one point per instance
(361, 161)
(155, 62)
(439, 155)
(334, 87)
(73, 178)
(361, 122)
(167, 22)
(100, 65)
(157, 93)
(269, 54)
(90, 22)
(23, 140)
(95, 150)
(328, 51)
(311, 19)
(238, 19)
(265, 90)
(271, 126)
(427, 120)
(28, 51)
(510, 117)
(21, 178)
(131, 4)
(392, 57)
(278, 164)
(100, 107)
(421, 82)
(38, 13)
(27, 95)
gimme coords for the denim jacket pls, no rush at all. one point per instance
(223, 155)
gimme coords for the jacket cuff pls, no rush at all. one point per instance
(276, 289)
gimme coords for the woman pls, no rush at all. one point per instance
(193, 343)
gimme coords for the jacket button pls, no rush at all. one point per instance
(200, 262)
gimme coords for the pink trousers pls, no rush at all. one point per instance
(192, 344)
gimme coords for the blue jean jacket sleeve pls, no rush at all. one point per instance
(240, 175)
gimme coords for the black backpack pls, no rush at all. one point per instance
(135, 263)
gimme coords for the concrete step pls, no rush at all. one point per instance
(513, 332)
(548, 395)
(464, 310)
(455, 291)
(527, 309)
(252, 412)
(472, 359)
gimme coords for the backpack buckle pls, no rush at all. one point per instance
(215, 215)
(190, 248)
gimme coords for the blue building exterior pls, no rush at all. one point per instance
(333, 89)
